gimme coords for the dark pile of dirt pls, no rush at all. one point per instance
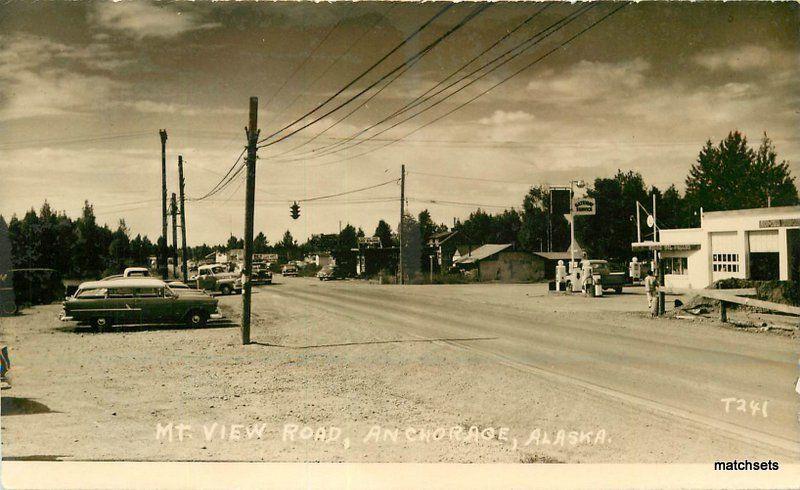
(784, 292)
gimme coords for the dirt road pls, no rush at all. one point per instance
(350, 371)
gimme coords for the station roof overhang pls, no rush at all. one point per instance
(661, 247)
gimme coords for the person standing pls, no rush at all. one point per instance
(650, 286)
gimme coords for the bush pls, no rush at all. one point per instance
(37, 287)
(309, 270)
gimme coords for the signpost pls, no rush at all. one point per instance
(584, 206)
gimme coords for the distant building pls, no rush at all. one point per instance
(760, 244)
(319, 259)
(445, 243)
(499, 262)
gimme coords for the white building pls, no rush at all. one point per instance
(762, 244)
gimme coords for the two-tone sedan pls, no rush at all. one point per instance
(138, 301)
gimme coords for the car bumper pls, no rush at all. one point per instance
(65, 318)
(215, 316)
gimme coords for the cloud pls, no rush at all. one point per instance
(42, 77)
(152, 107)
(501, 117)
(590, 80)
(140, 20)
(741, 58)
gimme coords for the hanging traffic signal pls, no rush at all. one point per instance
(295, 210)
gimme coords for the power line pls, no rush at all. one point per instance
(317, 198)
(14, 145)
(364, 73)
(220, 185)
(458, 203)
(411, 59)
(484, 92)
(457, 177)
(414, 103)
(522, 47)
(406, 67)
(305, 60)
(335, 62)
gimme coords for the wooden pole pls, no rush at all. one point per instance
(252, 133)
(402, 216)
(163, 251)
(181, 186)
(173, 204)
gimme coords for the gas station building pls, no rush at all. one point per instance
(759, 244)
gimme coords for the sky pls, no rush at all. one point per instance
(86, 86)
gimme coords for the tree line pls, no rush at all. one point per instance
(728, 175)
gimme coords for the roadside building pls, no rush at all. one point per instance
(549, 261)
(319, 259)
(445, 244)
(499, 262)
(759, 244)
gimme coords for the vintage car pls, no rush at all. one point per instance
(136, 301)
(216, 278)
(330, 272)
(130, 272)
(261, 273)
(289, 270)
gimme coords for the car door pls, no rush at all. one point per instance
(153, 305)
(120, 305)
(205, 280)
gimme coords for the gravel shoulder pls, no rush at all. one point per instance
(325, 385)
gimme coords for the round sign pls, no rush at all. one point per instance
(650, 221)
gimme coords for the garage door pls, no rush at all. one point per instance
(724, 242)
(763, 241)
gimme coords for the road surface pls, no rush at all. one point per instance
(447, 373)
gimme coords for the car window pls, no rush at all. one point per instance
(92, 293)
(120, 293)
(149, 292)
(218, 270)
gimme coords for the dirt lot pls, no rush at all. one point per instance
(355, 372)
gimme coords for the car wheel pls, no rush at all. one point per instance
(196, 319)
(102, 324)
(225, 290)
(618, 290)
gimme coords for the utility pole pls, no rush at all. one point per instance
(402, 215)
(252, 133)
(163, 134)
(174, 210)
(181, 185)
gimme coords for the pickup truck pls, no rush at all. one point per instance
(608, 279)
(216, 278)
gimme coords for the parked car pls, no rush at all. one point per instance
(289, 270)
(138, 300)
(330, 272)
(216, 278)
(130, 272)
(261, 273)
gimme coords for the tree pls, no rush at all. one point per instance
(119, 248)
(609, 233)
(87, 251)
(733, 176)
(260, 243)
(288, 241)
(384, 232)
(234, 242)
(426, 225)
(412, 246)
(348, 238)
